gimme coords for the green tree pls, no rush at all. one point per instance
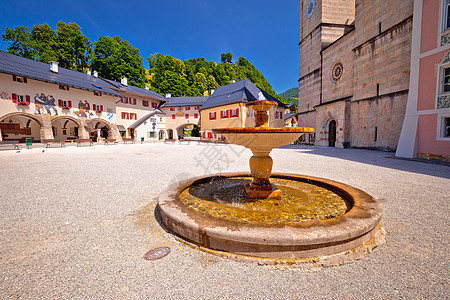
(72, 47)
(226, 57)
(115, 58)
(20, 41)
(44, 41)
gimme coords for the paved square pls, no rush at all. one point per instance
(77, 222)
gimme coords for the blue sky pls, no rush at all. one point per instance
(265, 32)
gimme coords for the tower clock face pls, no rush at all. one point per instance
(310, 8)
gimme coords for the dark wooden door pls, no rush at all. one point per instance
(332, 134)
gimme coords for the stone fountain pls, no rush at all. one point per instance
(272, 218)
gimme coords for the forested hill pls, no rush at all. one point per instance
(291, 95)
(114, 58)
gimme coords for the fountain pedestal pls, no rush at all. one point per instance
(261, 169)
(261, 139)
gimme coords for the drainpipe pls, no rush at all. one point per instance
(321, 67)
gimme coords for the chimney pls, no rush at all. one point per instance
(168, 96)
(147, 88)
(233, 81)
(53, 66)
(95, 74)
(123, 81)
(212, 92)
(88, 72)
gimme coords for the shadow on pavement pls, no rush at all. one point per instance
(378, 158)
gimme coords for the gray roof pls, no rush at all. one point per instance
(145, 118)
(241, 91)
(185, 101)
(16, 65)
(287, 116)
(134, 90)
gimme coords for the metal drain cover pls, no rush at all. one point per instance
(157, 253)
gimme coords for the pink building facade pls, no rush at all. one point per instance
(426, 127)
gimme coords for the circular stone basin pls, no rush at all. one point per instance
(341, 226)
(300, 202)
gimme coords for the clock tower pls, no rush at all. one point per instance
(321, 23)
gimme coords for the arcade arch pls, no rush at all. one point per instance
(19, 126)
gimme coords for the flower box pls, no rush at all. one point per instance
(98, 111)
(22, 103)
(65, 107)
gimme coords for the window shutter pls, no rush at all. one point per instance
(173, 116)
(28, 99)
(237, 112)
(14, 78)
(59, 102)
(14, 98)
(25, 80)
(128, 116)
(70, 104)
(101, 107)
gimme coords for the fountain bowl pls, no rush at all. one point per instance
(325, 242)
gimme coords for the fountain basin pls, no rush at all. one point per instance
(325, 242)
(262, 138)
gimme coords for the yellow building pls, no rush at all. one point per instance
(226, 108)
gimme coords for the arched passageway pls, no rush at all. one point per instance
(19, 126)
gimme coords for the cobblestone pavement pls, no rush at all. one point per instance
(76, 222)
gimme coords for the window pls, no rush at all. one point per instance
(173, 117)
(97, 108)
(154, 105)
(444, 128)
(19, 79)
(63, 87)
(224, 114)
(145, 103)
(133, 101)
(96, 93)
(186, 116)
(279, 115)
(209, 135)
(195, 116)
(133, 116)
(197, 107)
(234, 112)
(124, 115)
(21, 99)
(446, 20)
(212, 115)
(188, 108)
(172, 109)
(445, 80)
(64, 104)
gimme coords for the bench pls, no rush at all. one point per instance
(169, 141)
(185, 140)
(224, 142)
(15, 143)
(108, 141)
(80, 141)
(204, 141)
(54, 141)
(125, 140)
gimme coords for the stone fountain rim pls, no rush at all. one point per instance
(359, 221)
